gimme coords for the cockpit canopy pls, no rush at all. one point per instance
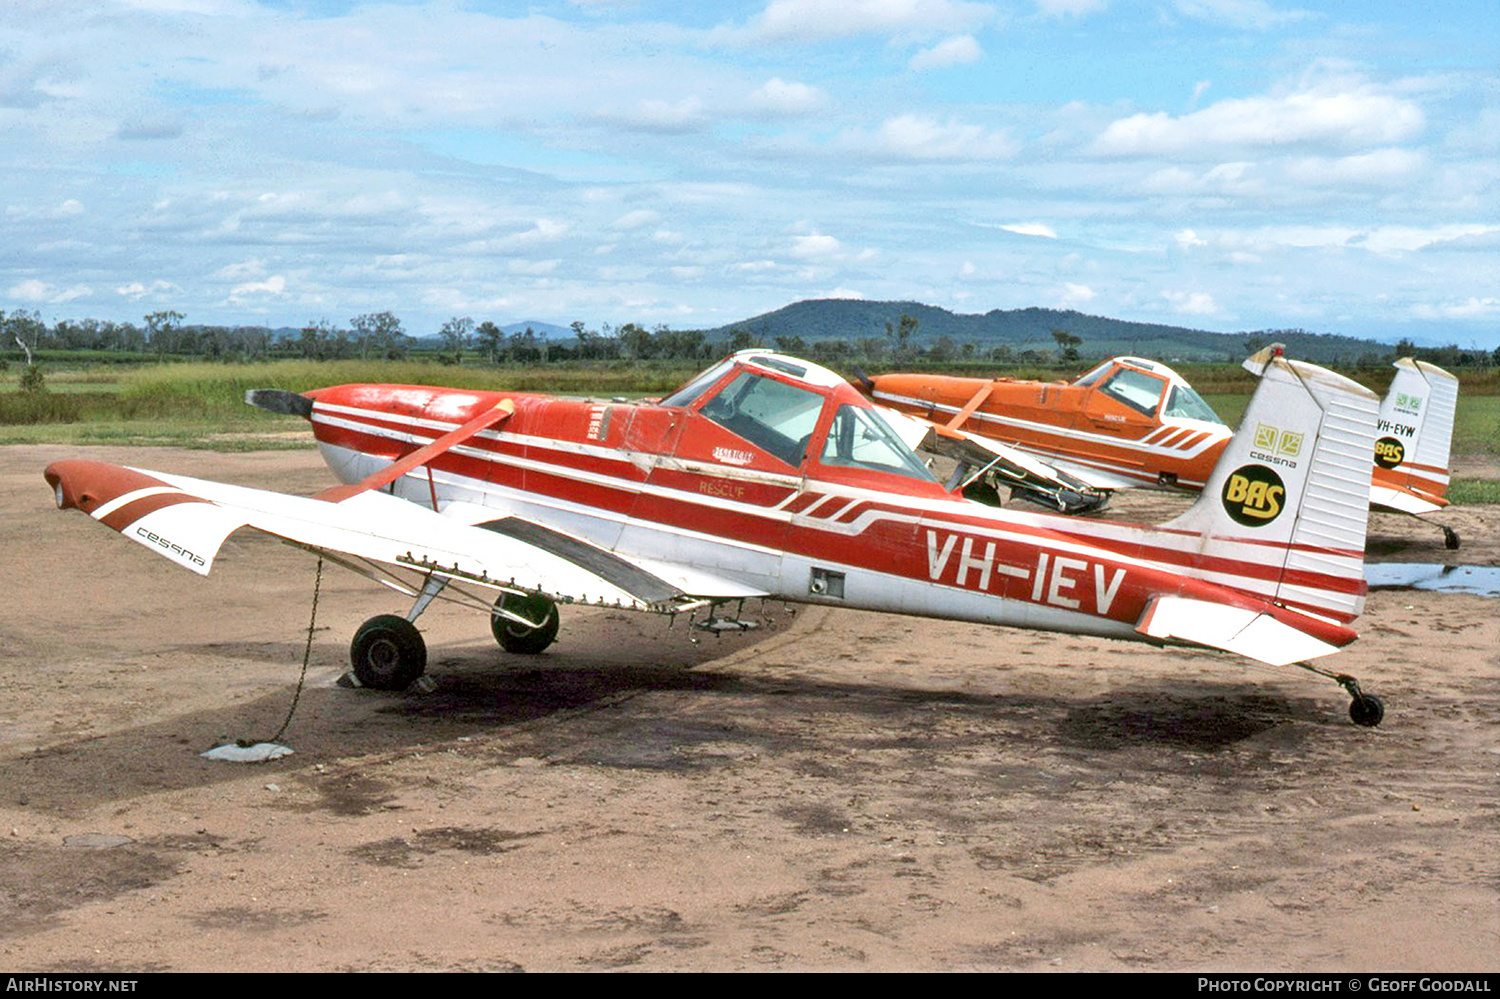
(1149, 388)
(794, 409)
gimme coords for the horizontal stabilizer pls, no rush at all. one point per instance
(1249, 633)
(1402, 501)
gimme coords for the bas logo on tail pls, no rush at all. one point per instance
(1253, 495)
(1389, 452)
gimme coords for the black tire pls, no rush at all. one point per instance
(388, 653)
(1367, 710)
(518, 638)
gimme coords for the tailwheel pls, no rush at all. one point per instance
(1450, 538)
(519, 638)
(388, 653)
(1366, 710)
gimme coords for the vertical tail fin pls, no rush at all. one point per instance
(1284, 512)
(1414, 435)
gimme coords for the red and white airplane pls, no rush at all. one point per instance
(1130, 422)
(770, 477)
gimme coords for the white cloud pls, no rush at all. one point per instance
(1359, 117)
(782, 98)
(1405, 239)
(275, 285)
(1381, 167)
(915, 137)
(1238, 178)
(955, 51)
(1073, 295)
(70, 208)
(819, 20)
(843, 293)
(1255, 14)
(33, 290)
(638, 219)
(1191, 303)
(135, 290)
(1031, 229)
(658, 116)
(1471, 308)
(816, 247)
(1069, 8)
(241, 270)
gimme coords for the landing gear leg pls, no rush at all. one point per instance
(524, 625)
(1365, 709)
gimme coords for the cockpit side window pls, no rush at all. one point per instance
(858, 438)
(1187, 404)
(770, 414)
(1136, 389)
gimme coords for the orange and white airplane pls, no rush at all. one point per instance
(1131, 422)
(771, 477)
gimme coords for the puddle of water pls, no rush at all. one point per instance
(1481, 580)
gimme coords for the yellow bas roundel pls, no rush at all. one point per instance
(1253, 495)
(1389, 452)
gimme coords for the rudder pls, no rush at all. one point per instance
(1288, 501)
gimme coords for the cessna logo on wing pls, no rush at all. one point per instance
(1389, 452)
(1253, 495)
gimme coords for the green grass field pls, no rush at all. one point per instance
(202, 405)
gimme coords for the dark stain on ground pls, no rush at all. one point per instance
(256, 920)
(1209, 721)
(347, 794)
(816, 819)
(403, 851)
(37, 882)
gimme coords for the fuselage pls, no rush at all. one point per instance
(778, 478)
(1128, 422)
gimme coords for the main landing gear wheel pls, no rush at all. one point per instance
(388, 653)
(1366, 710)
(518, 638)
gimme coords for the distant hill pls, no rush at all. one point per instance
(1031, 329)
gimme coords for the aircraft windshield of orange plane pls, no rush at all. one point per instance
(1186, 404)
(1143, 392)
(1136, 389)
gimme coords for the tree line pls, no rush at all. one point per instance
(382, 336)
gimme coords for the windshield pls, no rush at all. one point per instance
(770, 414)
(1189, 405)
(1135, 389)
(689, 393)
(859, 438)
(1095, 375)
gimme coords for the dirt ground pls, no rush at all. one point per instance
(839, 791)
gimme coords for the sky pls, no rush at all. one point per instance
(1220, 164)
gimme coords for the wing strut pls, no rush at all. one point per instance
(422, 455)
(963, 415)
